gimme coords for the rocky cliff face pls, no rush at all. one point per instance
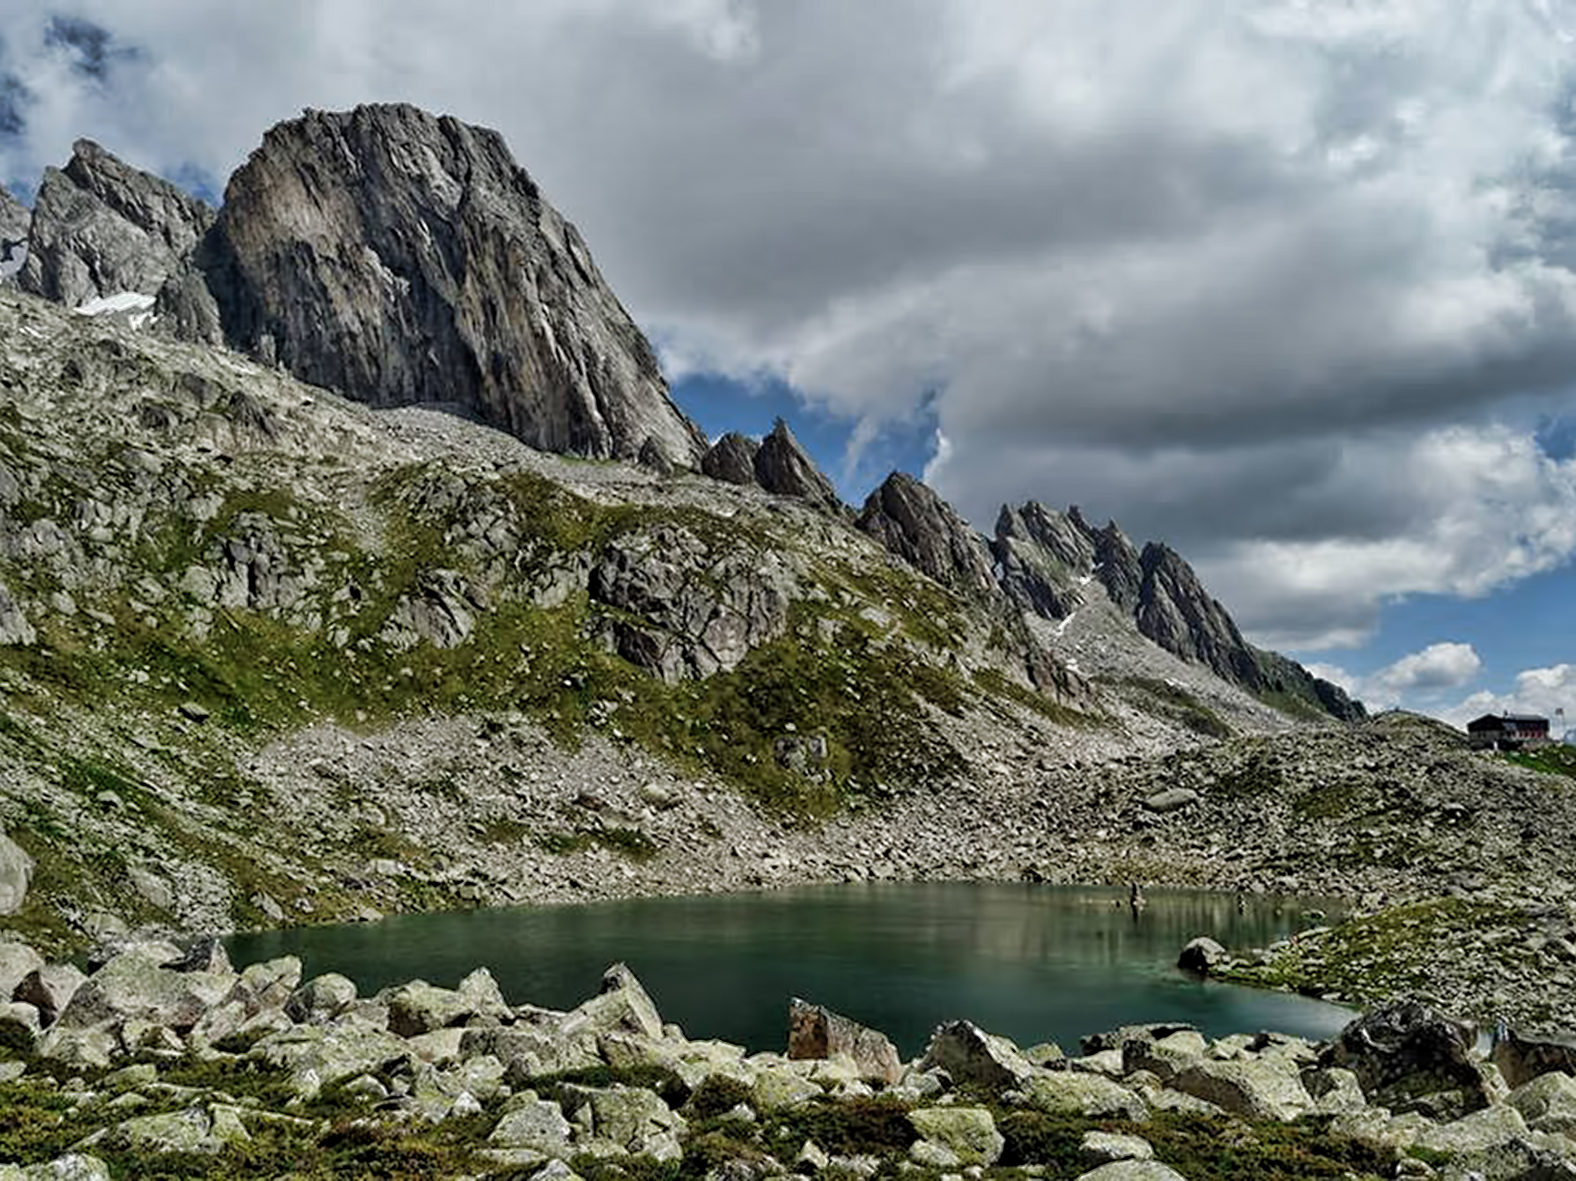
(100, 227)
(731, 459)
(14, 219)
(1176, 612)
(1042, 555)
(401, 257)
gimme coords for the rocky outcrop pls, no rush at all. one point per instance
(14, 220)
(731, 459)
(1409, 1057)
(914, 523)
(1041, 555)
(685, 612)
(783, 466)
(100, 227)
(1177, 613)
(398, 257)
(16, 871)
(1116, 562)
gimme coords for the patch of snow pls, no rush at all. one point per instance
(1086, 579)
(121, 301)
(1061, 624)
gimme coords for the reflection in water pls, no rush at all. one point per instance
(1037, 963)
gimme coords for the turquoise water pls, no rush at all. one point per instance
(1037, 963)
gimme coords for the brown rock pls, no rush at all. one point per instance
(817, 1032)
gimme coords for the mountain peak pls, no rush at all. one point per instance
(100, 227)
(910, 520)
(783, 466)
(403, 257)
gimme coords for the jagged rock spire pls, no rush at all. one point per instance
(914, 523)
(100, 227)
(784, 467)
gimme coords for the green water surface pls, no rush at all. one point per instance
(1037, 963)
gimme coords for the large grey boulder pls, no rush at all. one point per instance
(1132, 1170)
(1200, 955)
(970, 1055)
(1407, 1056)
(398, 257)
(316, 1055)
(925, 531)
(136, 985)
(1265, 1087)
(621, 1005)
(1547, 1103)
(101, 227)
(17, 962)
(1069, 1093)
(967, 1135)
(321, 999)
(49, 989)
(817, 1032)
(626, 1119)
(783, 466)
(532, 1125)
(418, 1007)
(73, 1166)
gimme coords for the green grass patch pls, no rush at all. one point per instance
(995, 684)
(1555, 759)
(1378, 956)
(1176, 703)
(629, 842)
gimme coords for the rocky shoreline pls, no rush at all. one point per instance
(166, 1061)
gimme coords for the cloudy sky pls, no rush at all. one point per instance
(1290, 284)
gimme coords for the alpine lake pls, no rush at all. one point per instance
(1036, 963)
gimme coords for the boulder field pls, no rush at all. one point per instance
(164, 1059)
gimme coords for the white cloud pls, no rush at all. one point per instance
(1266, 279)
(1415, 681)
(1537, 691)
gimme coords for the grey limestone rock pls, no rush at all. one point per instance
(970, 1055)
(399, 257)
(16, 873)
(783, 466)
(705, 612)
(101, 227)
(914, 523)
(967, 1134)
(1266, 1087)
(731, 459)
(17, 962)
(14, 630)
(1200, 955)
